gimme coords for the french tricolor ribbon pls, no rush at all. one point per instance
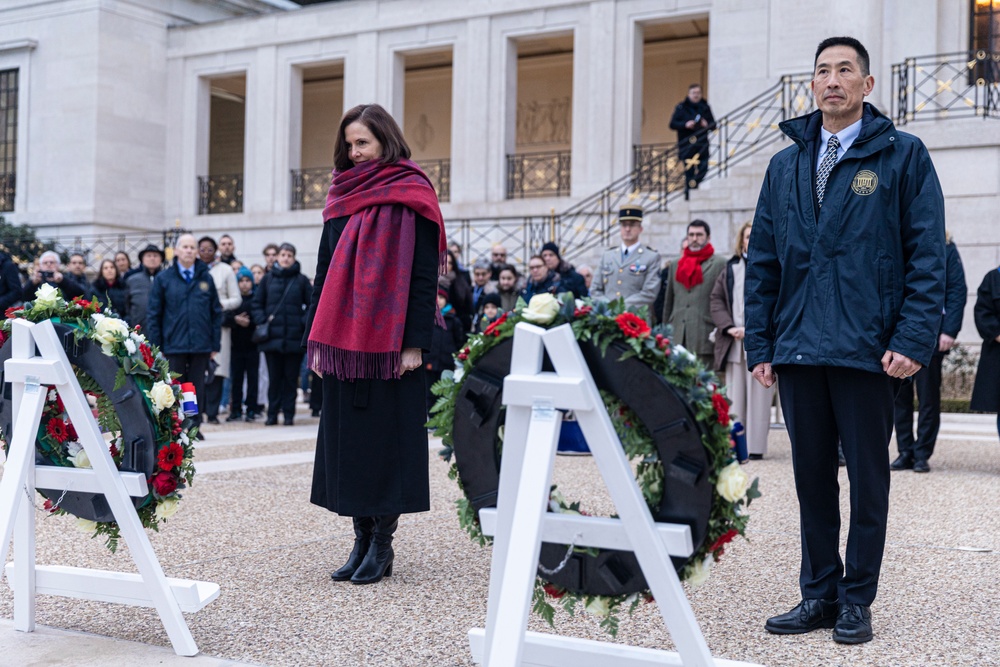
(190, 400)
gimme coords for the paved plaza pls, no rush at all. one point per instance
(246, 524)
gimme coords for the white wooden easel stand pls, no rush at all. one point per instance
(150, 588)
(521, 522)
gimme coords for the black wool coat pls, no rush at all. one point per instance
(113, 295)
(287, 315)
(371, 454)
(986, 392)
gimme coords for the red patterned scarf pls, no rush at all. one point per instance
(357, 332)
(689, 271)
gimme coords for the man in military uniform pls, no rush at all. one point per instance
(629, 270)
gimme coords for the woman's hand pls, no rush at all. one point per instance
(737, 332)
(412, 358)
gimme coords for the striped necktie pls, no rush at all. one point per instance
(826, 166)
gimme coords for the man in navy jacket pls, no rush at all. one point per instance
(184, 316)
(844, 292)
(915, 455)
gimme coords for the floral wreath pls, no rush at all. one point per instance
(603, 323)
(161, 393)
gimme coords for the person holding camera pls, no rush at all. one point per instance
(48, 273)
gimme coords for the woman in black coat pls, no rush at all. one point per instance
(986, 392)
(459, 291)
(281, 301)
(371, 317)
(109, 288)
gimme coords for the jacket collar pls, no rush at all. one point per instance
(877, 131)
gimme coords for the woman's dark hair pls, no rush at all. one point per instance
(288, 247)
(454, 260)
(122, 252)
(100, 282)
(379, 123)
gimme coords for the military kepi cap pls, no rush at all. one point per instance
(630, 214)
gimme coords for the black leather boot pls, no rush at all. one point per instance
(378, 560)
(364, 526)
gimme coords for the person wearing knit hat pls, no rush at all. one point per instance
(445, 342)
(569, 279)
(244, 359)
(490, 312)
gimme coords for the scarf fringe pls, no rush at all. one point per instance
(350, 365)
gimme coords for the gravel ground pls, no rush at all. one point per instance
(254, 533)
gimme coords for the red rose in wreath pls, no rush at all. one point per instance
(723, 540)
(632, 325)
(583, 310)
(147, 355)
(164, 483)
(171, 456)
(721, 406)
(553, 591)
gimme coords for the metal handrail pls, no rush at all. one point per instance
(946, 85)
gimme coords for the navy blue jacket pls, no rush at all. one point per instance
(10, 282)
(865, 275)
(184, 318)
(956, 293)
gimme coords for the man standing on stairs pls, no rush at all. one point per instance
(845, 286)
(687, 296)
(693, 120)
(629, 270)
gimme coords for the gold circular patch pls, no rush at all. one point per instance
(864, 182)
(203, 285)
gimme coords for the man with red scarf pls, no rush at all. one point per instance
(687, 298)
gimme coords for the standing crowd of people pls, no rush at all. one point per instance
(207, 311)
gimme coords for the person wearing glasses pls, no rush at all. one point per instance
(540, 279)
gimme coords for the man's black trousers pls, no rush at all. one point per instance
(823, 405)
(192, 368)
(927, 382)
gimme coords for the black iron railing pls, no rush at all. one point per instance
(97, 247)
(521, 236)
(439, 171)
(660, 175)
(950, 85)
(538, 174)
(220, 193)
(309, 187)
(7, 191)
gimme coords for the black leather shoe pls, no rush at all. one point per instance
(902, 462)
(921, 466)
(854, 624)
(234, 417)
(289, 421)
(756, 457)
(378, 560)
(364, 526)
(271, 421)
(213, 420)
(809, 615)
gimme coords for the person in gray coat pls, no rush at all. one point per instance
(138, 285)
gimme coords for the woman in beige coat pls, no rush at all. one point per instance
(751, 401)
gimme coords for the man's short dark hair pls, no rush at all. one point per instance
(270, 246)
(215, 246)
(864, 62)
(694, 85)
(287, 247)
(702, 224)
(381, 124)
(78, 254)
(226, 236)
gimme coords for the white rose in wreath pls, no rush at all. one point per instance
(542, 309)
(166, 508)
(80, 459)
(161, 396)
(598, 607)
(86, 525)
(733, 483)
(107, 331)
(47, 296)
(699, 571)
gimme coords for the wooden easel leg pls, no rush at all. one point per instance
(526, 511)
